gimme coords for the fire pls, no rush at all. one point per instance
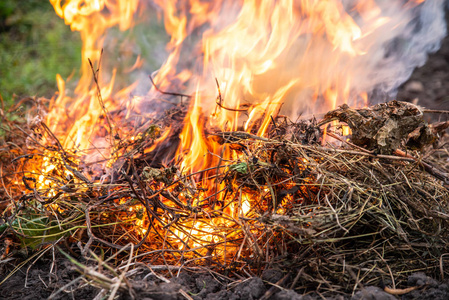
(192, 139)
(268, 57)
(90, 19)
(290, 56)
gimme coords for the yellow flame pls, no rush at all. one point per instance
(267, 56)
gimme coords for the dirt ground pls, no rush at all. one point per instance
(428, 87)
(50, 277)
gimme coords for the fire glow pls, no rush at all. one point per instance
(270, 58)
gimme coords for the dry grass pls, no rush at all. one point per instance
(341, 217)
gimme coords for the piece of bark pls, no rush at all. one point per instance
(381, 127)
(426, 134)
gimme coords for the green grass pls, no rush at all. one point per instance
(35, 45)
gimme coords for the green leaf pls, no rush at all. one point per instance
(37, 230)
(240, 168)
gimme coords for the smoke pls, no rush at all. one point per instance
(395, 37)
(407, 48)
(319, 68)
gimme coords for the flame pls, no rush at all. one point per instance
(192, 140)
(92, 21)
(291, 56)
(268, 57)
(254, 58)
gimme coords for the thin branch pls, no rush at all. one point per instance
(167, 93)
(219, 101)
(100, 97)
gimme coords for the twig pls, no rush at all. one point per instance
(399, 292)
(275, 287)
(167, 93)
(295, 280)
(64, 156)
(435, 111)
(237, 136)
(442, 265)
(349, 143)
(336, 215)
(428, 167)
(219, 101)
(63, 288)
(122, 276)
(100, 98)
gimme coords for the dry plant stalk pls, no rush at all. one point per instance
(325, 210)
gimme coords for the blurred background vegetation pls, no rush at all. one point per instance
(35, 45)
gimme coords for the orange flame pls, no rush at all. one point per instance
(91, 19)
(269, 57)
(306, 56)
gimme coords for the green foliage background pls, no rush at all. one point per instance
(35, 45)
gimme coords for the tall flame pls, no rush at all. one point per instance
(306, 56)
(92, 19)
(268, 57)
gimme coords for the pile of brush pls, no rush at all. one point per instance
(342, 211)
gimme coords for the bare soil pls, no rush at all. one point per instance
(48, 275)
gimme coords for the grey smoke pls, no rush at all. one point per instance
(409, 49)
(395, 52)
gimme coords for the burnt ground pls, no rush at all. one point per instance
(428, 87)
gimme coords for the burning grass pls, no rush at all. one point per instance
(340, 215)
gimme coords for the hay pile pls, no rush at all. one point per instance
(340, 213)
